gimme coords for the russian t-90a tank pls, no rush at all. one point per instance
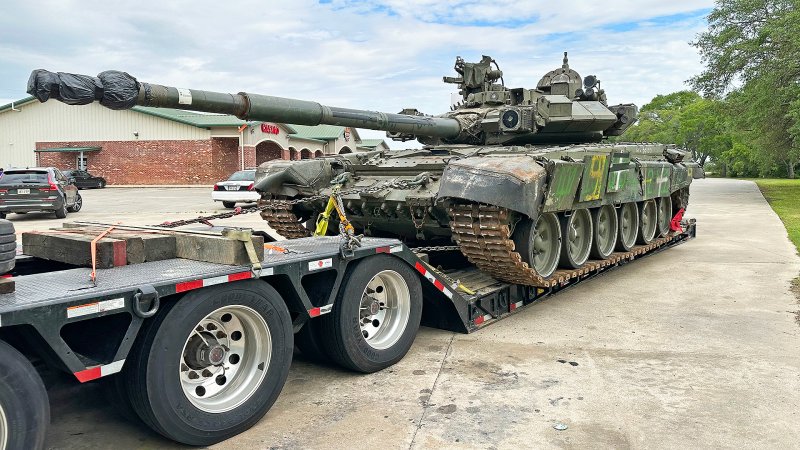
(518, 178)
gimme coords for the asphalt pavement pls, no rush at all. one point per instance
(695, 347)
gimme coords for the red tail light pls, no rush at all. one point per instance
(52, 187)
(216, 187)
(250, 188)
(3, 191)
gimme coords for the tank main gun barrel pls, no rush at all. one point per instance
(118, 90)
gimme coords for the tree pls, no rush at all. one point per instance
(752, 54)
(687, 120)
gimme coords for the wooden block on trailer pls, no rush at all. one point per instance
(74, 248)
(213, 249)
(7, 285)
(141, 246)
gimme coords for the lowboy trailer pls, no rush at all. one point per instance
(200, 351)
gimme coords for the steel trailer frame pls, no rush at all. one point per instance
(308, 275)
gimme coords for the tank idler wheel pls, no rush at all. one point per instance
(628, 226)
(664, 215)
(539, 244)
(604, 219)
(648, 221)
(577, 231)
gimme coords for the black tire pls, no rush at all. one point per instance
(341, 329)
(309, 341)
(8, 247)
(3, 215)
(77, 205)
(229, 205)
(102, 184)
(7, 266)
(8, 255)
(23, 401)
(61, 212)
(114, 389)
(152, 370)
(8, 238)
(7, 228)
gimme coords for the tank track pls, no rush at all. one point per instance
(483, 233)
(280, 218)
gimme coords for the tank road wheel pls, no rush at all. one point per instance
(628, 227)
(539, 245)
(664, 215)
(577, 231)
(24, 407)
(648, 220)
(211, 364)
(376, 315)
(604, 219)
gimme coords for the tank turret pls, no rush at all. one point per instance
(556, 111)
(517, 178)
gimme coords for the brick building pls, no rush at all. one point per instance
(158, 146)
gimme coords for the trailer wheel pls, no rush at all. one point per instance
(211, 364)
(376, 315)
(24, 407)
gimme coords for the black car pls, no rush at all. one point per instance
(85, 180)
(38, 189)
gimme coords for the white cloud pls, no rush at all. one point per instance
(380, 55)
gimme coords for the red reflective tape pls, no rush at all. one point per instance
(438, 285)
(478, 320)
(513, 306)
(8, 275)
(314, 312)
(240, 276)
(419, 268)
(188, 286)
(89, 374)
(383, 250)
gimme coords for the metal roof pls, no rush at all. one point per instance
(199, 120)
(324, 132)
(17, 103)
(371, 142)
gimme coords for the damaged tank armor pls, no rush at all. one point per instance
(520, 179)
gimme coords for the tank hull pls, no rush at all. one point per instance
(527, 181)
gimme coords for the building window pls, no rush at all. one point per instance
(82, 162)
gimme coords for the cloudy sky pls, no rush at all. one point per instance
(381, 54)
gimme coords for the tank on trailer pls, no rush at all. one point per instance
(519, 179)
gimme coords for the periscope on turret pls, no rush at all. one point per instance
(519, 179)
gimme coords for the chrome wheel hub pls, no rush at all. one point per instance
(384, 309)
(225, 358)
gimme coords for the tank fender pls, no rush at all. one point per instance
(513, 182)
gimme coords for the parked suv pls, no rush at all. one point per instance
(38, 189)
(238, 188)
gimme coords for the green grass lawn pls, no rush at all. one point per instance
(784, 197)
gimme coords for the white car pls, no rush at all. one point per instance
(238, 188)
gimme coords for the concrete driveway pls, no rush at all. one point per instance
(695, 347)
